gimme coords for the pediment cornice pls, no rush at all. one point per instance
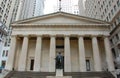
(59, 15)
(59, 25)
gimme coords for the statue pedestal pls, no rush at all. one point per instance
(59, 72)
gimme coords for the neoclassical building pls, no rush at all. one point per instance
(84, 43)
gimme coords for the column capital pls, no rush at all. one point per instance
(66, 35)
(13, 35)
(39, 35)
(92, 36)
(105, 36)
(52, 35)
(25, 35)
(81, 36)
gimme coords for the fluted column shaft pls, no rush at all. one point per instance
(67, 62)
(37, 63)
(11, 55)
(81, 54)
(52, 54)
(23, 55)
(109, 57)
(96, 54)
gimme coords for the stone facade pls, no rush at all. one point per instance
(82, 41)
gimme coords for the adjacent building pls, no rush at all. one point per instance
(3, 54)
(81, 7)
(12, 10)
(6, 12)
(6, 9)
(29, 8)
(66, 6)
(39, 7)
(107, 10)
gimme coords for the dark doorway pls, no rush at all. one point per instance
(31, 64)
(88, 65)
(3, 64)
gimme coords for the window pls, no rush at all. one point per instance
(112, 12)
(111, 41)
(118, 3)
(109, 3)
(0, 17)
(109, 15)
(113, 52)
(6, 53)
(118, 19)
(107, 19)
(0, 9)
(3, 53)
(102, 6)
(107, 7)
(115, 7)
(105, 10)
(98, 2)
(117, 37)
(103, 3)
(3, 64)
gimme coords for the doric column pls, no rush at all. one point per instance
(52, 54)
(96, 54)
(81, 54)
(38, 54)
(109, 57)
(23, 54)
(67, 55)
(10, 61)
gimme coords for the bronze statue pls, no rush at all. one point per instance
(59, 61)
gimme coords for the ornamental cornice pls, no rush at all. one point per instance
(60, 25)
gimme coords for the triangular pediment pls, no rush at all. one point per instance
(60, 18)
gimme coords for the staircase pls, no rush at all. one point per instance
(26, 74)
(89, 74)
(16, 74)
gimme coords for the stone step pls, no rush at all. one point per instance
(16, 74)
(59, 77)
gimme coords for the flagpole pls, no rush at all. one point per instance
(60, 5)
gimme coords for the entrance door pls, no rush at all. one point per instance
(88, 65)
(31, 64)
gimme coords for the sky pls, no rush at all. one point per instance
(49, 4)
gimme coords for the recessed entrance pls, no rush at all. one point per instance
(31, 64)
(88, 65)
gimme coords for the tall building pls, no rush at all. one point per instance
(66, 6)
(108, 10)
(9, 12)
(3, 34)
(92, 9)
(29, 8)
(6, 9)
(6, 12)
(81, 7)
(102, 9)
(39, 7)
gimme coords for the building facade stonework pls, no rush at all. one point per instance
(82, 41)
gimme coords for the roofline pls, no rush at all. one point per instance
(59, 12)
